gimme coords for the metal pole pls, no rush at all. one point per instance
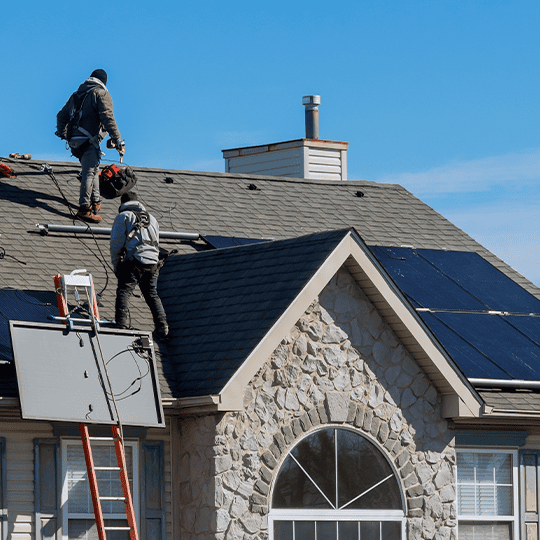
(45, 228)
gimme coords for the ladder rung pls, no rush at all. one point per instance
(117, 528)
(107, 468)
(101, 438)
(112, 498)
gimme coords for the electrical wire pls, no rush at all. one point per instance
(101, 258)
(133, 351)
(3, 254)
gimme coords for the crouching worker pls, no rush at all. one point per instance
(135, 259)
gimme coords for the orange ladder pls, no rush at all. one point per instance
(92, 478)
(62, 285)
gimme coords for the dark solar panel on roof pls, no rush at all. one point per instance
(458, 290)
(454, 280)
(219, 242)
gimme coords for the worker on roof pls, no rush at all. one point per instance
(84, 121)
(135, 259)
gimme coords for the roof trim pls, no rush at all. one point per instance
(459, 397)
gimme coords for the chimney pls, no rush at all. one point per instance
(300, 158)
(311, 103)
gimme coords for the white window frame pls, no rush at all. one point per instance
(66, 515)
(513, 519)
(276, 514)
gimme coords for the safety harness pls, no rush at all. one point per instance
(142, 222)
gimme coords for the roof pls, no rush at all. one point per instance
(208, 204)
(221, 303)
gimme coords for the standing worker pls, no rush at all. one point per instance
(135, 259)
(84, 121)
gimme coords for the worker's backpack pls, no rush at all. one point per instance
(75, 113)
(115, 181)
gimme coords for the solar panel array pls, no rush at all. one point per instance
(488, 324)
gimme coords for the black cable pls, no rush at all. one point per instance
(131, 350)
(48, 169)
(3, 254)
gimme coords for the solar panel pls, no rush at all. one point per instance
(454, 280)
(61, 375)
(219, 242)
(458, 290)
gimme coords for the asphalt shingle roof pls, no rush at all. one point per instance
(210, 204)
(221, 303)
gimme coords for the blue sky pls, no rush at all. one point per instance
(439, 96)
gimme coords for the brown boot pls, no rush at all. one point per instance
(96, 207)
(85, 214)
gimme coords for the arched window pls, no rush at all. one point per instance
(336, 485)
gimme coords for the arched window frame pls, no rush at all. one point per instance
(337, 515)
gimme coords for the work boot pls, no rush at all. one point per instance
(96, 207)
(85, 214)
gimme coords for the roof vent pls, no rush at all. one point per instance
(311, 103)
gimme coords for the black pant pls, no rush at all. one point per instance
(133, 273)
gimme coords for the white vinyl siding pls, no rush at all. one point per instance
(320, 160)
(487, 482)
(20, 475)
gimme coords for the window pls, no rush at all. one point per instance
(336, 485)
(487, 495)
(78, 514)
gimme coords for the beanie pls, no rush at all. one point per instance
(129, 196)
(100, 74)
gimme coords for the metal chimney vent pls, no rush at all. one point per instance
(311, 103)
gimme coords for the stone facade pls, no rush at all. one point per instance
(339, 365)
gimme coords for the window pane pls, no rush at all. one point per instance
(465, 466)
(390, 530)
(361, 466)
(504, 501)
(370, 530)
(486, 500)
(295, 490)
(326, 530)
(304, 530)
(79, 498)
(283, 530)
(348, 530)
(466, 500)
(503, 469)
(316, 455)
(85, 529)
(484, 531)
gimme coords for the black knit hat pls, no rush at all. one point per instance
(101, 75)
(129, 196)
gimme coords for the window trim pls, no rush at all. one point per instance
(3, 487)
(515, 518)
(66, 515)
(276, 514)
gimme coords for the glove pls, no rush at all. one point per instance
(120, 146)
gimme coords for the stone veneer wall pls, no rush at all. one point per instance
(339, 365)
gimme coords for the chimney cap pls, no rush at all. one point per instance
(311, 100)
